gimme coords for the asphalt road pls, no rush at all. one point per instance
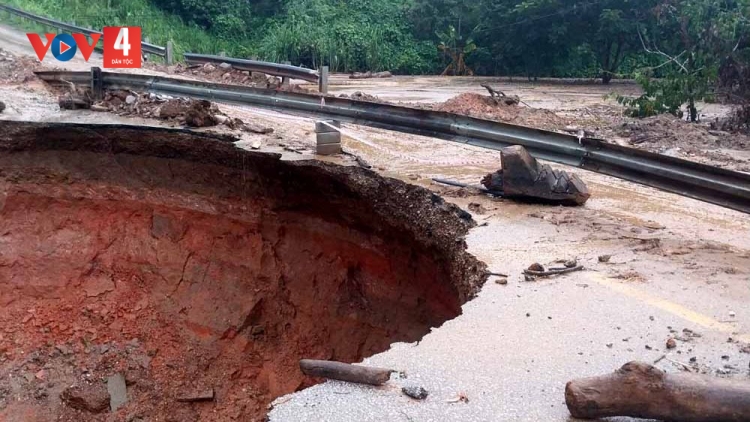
(515, 346)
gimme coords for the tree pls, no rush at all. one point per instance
(456, 48)
(693, 38)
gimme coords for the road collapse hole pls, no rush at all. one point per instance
(200, 273)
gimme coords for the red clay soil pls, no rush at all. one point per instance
(483, 107)
(185, 265)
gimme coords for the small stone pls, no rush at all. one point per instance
(92, 398)
(2, 106)
(649, 347)
(651, 318)
(571, 264)
(208, 67)
(528, 314)
(536, 267)
(225, 66)
(415, 392)
(221, 119)
(41, 375)
(502, 281)
(605, 258)
(130, 99)
(671, 344)
(725, 357)
(610, 345)
(693, 359)
(732, 314)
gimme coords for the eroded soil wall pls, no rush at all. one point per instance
(186, 265)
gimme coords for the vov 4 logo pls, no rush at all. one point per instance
(122, 46)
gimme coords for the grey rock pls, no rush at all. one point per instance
(130, 99)
(118, 391)
(225, 66)
(416, 392)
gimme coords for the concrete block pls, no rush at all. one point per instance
(328, 138)
(321, 128)
(328, 149)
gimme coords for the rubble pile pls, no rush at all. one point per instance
(224, 73)
(485, 107)
(17, 69)
(180, 111)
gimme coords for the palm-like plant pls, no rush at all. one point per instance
(456, 49)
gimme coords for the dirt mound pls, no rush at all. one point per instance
(484, 107)
(17, 69)
(177, 111)
(666, 131)
(362, 96)
(182, 264)
(229, 75)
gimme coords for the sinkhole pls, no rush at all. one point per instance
(187, 266)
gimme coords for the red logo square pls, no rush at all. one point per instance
(122, 46)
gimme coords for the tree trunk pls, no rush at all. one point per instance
(345, 372)
(606, 78)
(642, 391)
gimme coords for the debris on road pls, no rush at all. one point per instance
(370, 75)
(643, 391)
(460, 397)
(536, 267)
(499, 96)
(671, 343)
(182, 111)
(2, 106)
(415, 392)
(604, 258)
(205, 395)
(345, 372)
(502, 281)
(550, 272)
(522, 177)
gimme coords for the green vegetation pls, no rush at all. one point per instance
(679, 50)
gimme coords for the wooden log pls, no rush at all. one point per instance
(643, 391)
(345, 372)
(553, 271)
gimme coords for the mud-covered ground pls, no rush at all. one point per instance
(677, 266)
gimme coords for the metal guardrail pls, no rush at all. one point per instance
(283, 70)
(146, 47)
(727, 188)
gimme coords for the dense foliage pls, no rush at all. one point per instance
(677, 49)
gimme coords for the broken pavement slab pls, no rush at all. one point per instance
(523, 177)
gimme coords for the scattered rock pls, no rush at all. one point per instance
(536, 267)
(605, 258)
(732, 314)
(208, 67)
(477, 208)
(571, 264)
(502, 281)
(415, 392)
(225, 66)
(725, 357)
(130, 99)
(206, 395)
(2, 106)
(92, 398)
(118, 391)
(252, 128)
(671, 343)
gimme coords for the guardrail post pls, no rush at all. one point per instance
(97, 83)
(323, 81)
(328, 139)
(170, 53)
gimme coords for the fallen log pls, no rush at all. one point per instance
(642, 391)
(553, 271)
(345, 372)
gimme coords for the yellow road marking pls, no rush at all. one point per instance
(665, 305)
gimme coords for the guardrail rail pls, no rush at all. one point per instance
(719, 186)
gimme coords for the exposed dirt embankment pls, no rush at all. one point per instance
(186, 264)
